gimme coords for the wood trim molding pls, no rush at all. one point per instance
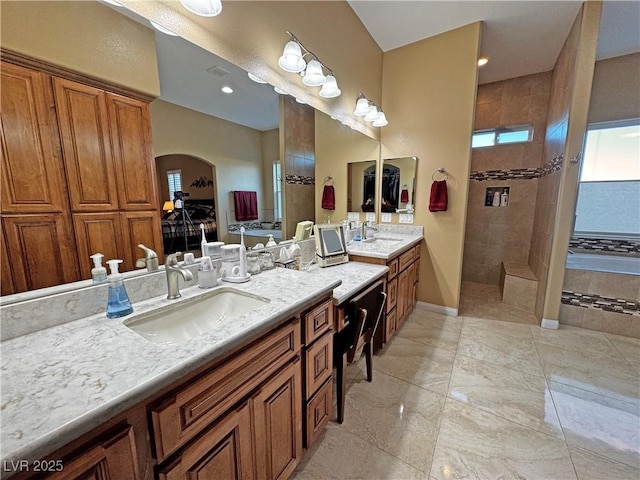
(58, 71)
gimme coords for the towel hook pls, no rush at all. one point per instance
(441, 171)
(328, 178)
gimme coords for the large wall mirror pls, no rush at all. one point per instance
(398, 181)
(361, 186)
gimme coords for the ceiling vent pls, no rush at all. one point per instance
(217, 71)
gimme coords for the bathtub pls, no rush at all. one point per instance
(604, 263)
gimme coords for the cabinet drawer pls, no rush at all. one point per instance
(405, 259)
(180, 416)
(390, 326)
(341, 320)
(318, 321)
(319, 410)
(393, 268)
(392, 292)
(318, 360)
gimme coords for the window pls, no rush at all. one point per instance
(174, 178)
(277, 191)
(609, 191)
(502, 136)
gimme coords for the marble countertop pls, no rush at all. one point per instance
(384, 245)
(61, 382)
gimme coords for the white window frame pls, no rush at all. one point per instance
(174, 179)
(502, 130)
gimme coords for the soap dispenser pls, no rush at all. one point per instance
(118, 304)
(504, 198)
(98, 272)
(271, 242)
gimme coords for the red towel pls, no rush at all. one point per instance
(438, 198)
(328, 198)
(404, 196)
(246, 204)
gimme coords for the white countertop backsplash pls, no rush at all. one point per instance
(60, 382)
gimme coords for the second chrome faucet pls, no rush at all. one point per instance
(173, 271)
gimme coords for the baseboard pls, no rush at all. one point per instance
(432, 307)
(551, 324)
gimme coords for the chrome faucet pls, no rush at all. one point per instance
(368, 230)
(172, 270)
(150, 261)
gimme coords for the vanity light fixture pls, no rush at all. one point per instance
(312, 72)
(162, 29)
(255, 78)
(370, 111)
(227, 89)
(204, 8)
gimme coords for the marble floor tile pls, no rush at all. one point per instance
(396, 417)
(599, 424)
(574, 339)
(628, 347)
(509, 313)
(432, 329)
(590, 466)
(341, 455)
(607, 374)
(473, 444)
(516, 396)
(507, 344)
(422, 365)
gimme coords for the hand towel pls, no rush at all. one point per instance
(438, 198)
(328, 198)
(246, 204)
(404, 196)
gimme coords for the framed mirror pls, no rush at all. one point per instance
(361, 187)
(398, 184)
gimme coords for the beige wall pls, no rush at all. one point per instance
(336, 146)
(86, 37)
(616, 89)
(496, 235)
(191, 169)
(428, 96)
(234, 150)
(251, 34)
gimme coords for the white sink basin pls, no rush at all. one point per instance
(386, 241)
(191, 318)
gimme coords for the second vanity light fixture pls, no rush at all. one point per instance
(312, 72)
(370, 111)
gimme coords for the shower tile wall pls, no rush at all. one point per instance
(549, 185)
(497, 234)
(299, 164)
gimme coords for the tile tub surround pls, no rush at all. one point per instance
(92, 369)
(499, 417)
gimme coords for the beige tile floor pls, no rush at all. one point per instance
(478, 398)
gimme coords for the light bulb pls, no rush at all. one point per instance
(291, 59)
(330, 88)
(204, 8)
(372, 115)
(362, 107)
(313, 76)
(280, 91)
(381, 121)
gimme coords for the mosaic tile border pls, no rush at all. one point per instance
(548, 168)
(592, 245)
(250, 225)
(609, 304)
(299, 180)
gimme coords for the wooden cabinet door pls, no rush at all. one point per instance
(6, 280)
(140, 227)
(133, 153)
(32, 169)
(277, 410)
(223, 452)
(84, 130)
(97, 233)
(403, 292)
(41, 249)
(114, 457)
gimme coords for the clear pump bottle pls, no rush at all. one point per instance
(98, 272)
(118, 303)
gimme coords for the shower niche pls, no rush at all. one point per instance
(497, 197)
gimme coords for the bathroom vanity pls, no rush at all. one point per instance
(98, 398)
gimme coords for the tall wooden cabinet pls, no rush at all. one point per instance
(78, 177)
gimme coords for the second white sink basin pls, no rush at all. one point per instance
(191, 318)
(386, 241)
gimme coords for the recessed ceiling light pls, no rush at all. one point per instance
(162, 29)
(227, 89)
(299, 100)
(254, 78)
(483, 61)
(279, 91)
